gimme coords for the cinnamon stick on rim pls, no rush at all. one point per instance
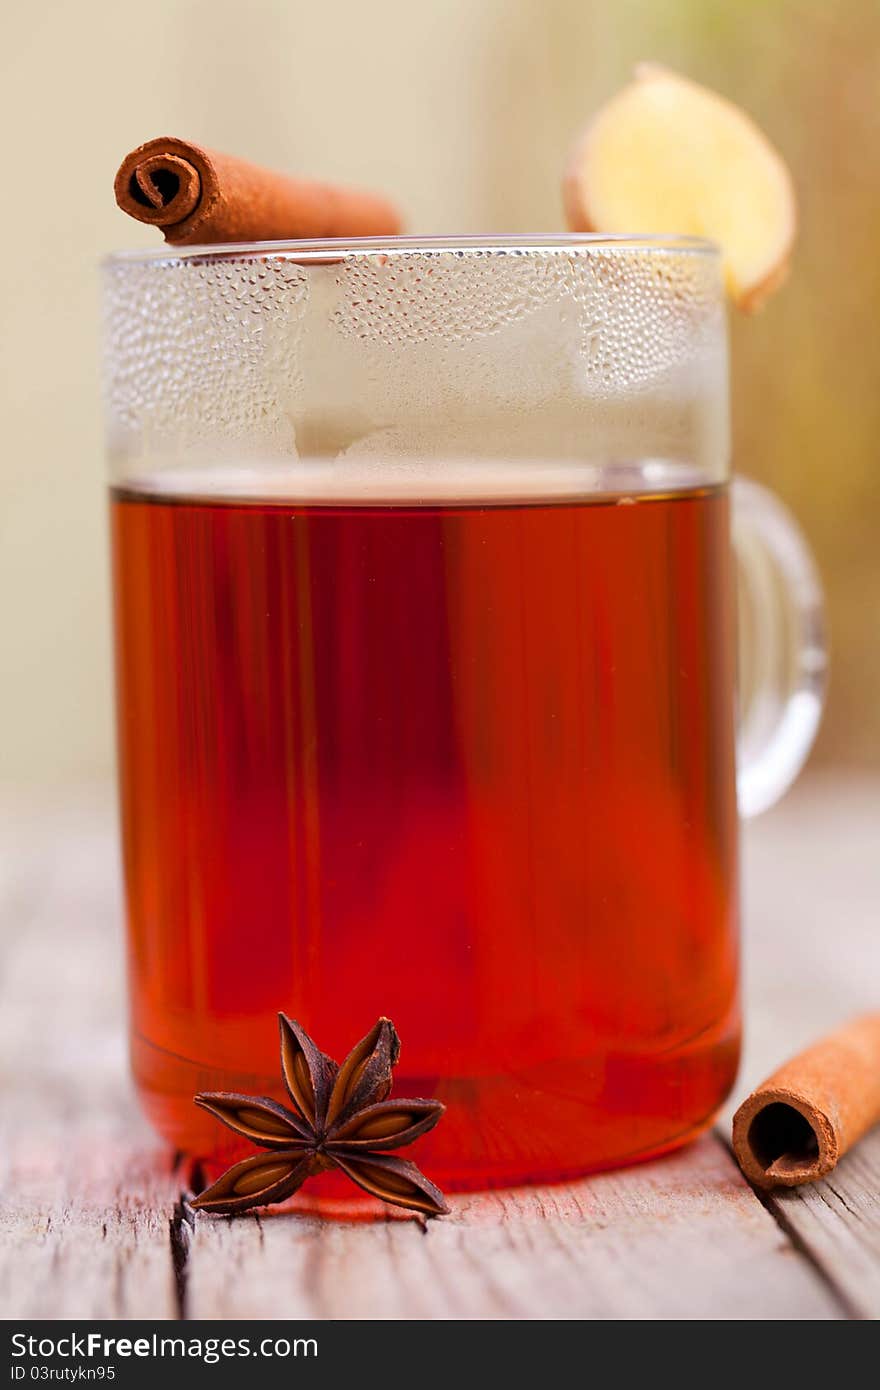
(795, 1127)
(198, 196)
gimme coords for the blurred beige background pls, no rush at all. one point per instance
(464, 110)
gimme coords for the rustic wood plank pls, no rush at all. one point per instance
(87, 1193)
(837, 1222)
(812, 881)
(89, 1196)
(84, 1230)
(680, 1238)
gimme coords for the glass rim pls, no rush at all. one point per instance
(349, 248)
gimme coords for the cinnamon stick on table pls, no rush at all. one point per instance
(199, 197)
(795, 1127)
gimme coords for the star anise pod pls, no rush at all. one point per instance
(341, 1119)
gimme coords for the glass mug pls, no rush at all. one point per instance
(426, 671)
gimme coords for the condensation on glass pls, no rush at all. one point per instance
(419, 369)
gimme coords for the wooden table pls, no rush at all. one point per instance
(94, 1222)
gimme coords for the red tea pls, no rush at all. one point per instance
(467, 766)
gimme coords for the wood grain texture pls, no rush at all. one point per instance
(812, 951)
(87, 1193)
(88, 1224)
(84, 1229)
(837, 1223)
(680, 1238)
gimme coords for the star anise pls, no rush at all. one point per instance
(341, 1119)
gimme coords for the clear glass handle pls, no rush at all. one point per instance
(782, 650)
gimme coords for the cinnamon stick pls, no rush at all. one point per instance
(198, 196)
(803, 1118)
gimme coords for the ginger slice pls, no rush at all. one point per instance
(666, 155)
